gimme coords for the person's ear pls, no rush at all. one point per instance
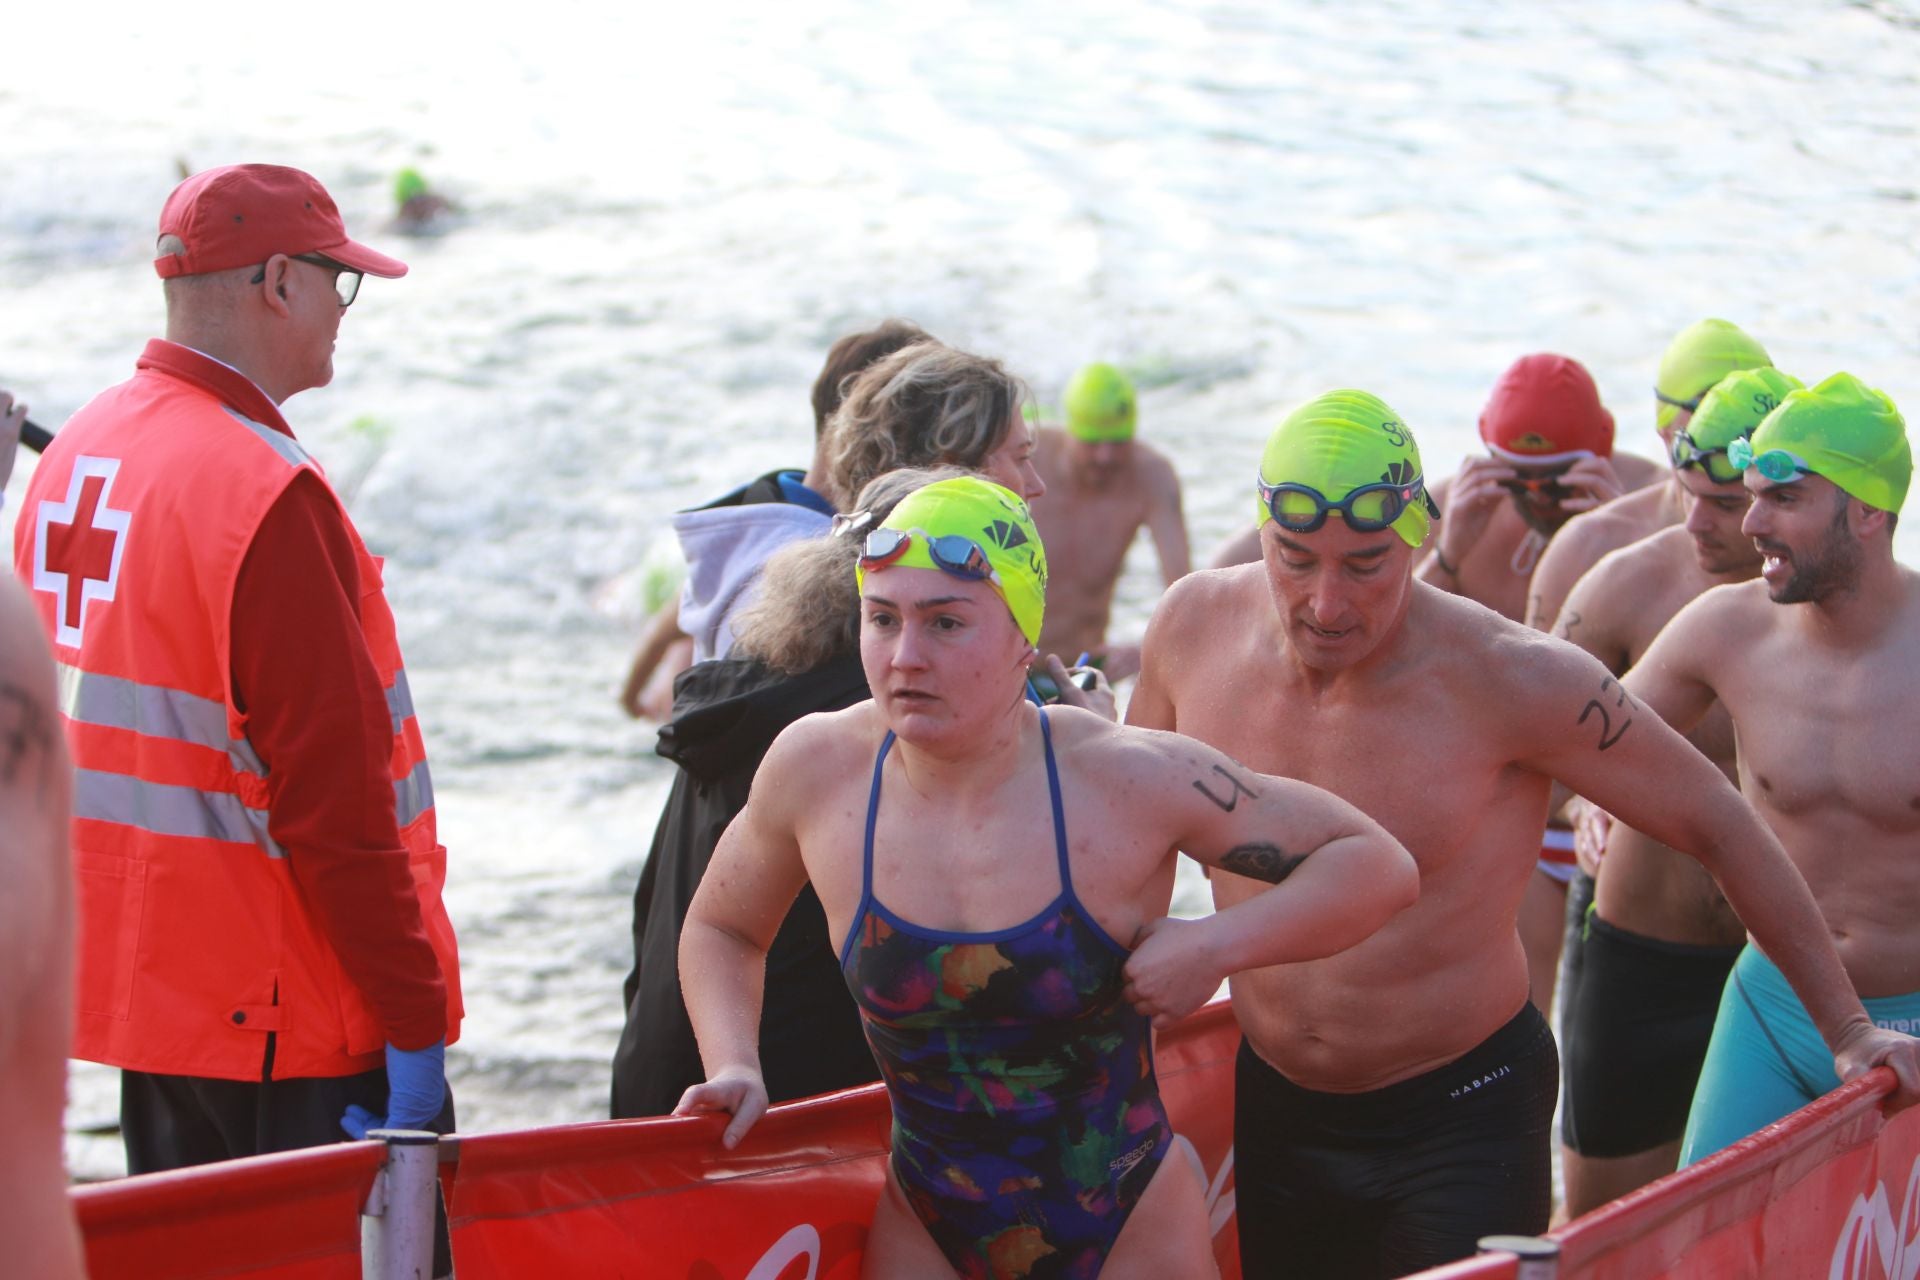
(273, 283)
(1867, 521)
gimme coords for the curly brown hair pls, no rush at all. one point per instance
(806, 607)
(924, 405)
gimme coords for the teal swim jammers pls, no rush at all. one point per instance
(1766, 1060)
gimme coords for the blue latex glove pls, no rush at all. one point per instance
(416, 1089)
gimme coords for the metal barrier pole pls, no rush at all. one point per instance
(1539, 1257)
(396, 1226)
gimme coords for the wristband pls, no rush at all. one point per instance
(1452, 571)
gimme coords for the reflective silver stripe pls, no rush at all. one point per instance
(279, 441)
(169, 810)
(399, 701)
(413, 794)
(155, 711)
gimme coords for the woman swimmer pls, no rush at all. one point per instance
(981, 941)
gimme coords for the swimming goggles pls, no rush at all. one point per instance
(1540, 484)
(953, 553)
(1664, 398)
(1718, 466)
(1776, 465)
(1302, 508)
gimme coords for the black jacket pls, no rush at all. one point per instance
(725, 716)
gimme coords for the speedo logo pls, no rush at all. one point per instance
(1123, 1163)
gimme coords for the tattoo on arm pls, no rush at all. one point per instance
(1613, 691)
(1235, 789)
(1571, 620)
(1267, 862)
(25, 735)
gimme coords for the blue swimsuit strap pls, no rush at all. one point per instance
(866, 853)
(873, 819)
(1059, 816)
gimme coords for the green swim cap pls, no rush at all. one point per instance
(407, 184)
(1100, 405)
(1699, 356)
(1848, 432)
(1736, 405)
(1339, 442)
(993, 519)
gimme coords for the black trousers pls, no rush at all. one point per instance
(176, 1122)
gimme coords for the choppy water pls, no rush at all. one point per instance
(670, 211)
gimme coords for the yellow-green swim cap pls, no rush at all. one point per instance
(1736, 405)
(1340, 442)
(408, 184)
(1848, 432)
(993, 519)
(1100, 405)
(1699, 356)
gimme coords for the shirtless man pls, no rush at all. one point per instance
(1549, 457)
(1102, 486)
(1697, 358)
(1661, 938)
(1393, 1102)
(36, 954)
(1817, 666)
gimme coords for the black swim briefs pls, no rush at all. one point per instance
(1402, 1178)
(1638, 1029)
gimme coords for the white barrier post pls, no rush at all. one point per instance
(1539, 1258)
(396, 1226)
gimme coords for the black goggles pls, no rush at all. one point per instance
(1714, 462)
(1664, 398)
(953, 553)
(1302, 508)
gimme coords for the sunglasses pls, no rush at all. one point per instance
(1664, 398)
(951, 552)
(1716, 463)
(1776, 465)
(346, 281)
(1302, 508)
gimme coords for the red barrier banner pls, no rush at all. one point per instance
(1831, 1191)
(792, 1202)
(282, 1217)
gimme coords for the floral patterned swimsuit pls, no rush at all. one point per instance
(1027, 1121)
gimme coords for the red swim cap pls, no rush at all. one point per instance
(1546, 409)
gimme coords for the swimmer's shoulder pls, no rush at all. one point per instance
(1636, 472)
(822, 746)
(1628, 571)
(1209, 597)
(1506, 663)
(1628, 518)
(1154, 468)
(1733, 612)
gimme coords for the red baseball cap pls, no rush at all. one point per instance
(242, 214)
(1546, 409)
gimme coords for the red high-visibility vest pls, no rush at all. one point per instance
(194, 938)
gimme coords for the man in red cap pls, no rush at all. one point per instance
(1549, 457)
(264, 949)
